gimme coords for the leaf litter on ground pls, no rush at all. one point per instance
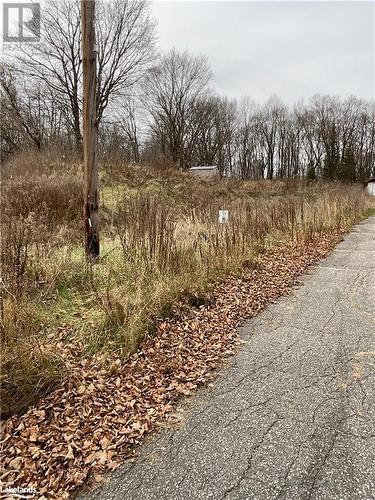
(96, 418)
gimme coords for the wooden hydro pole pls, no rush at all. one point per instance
(90, 130)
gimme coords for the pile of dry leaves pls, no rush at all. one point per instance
(94, 419)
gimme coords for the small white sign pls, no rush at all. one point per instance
(223, 216)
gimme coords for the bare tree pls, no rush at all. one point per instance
(125, 41)
(212, 133)
(172, 89)
(31, 107)
(56, 61)
(268, 122)
(128, 124)
(13, 105)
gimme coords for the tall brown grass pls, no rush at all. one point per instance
(161, 241)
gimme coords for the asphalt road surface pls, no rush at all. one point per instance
(293, 416)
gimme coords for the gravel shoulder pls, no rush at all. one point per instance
(293, 416)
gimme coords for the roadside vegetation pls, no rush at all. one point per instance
(161, 243)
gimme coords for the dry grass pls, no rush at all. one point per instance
(161, 241)
(102, 411)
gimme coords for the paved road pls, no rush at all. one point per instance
(293, 418)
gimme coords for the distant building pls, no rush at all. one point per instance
(205, 171)
(370, 186)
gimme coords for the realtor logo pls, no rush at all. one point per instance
(21, 22)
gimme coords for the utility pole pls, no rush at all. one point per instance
(90, 130)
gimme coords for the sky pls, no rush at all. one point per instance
(294, 49)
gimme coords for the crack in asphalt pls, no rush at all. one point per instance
(283, 488)
(317, 469)
(253, 451)
(293, 415)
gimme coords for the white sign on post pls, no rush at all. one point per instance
(223, 216)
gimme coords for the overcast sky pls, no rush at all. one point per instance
(293, 49)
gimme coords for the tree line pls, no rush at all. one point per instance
(163, 107)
